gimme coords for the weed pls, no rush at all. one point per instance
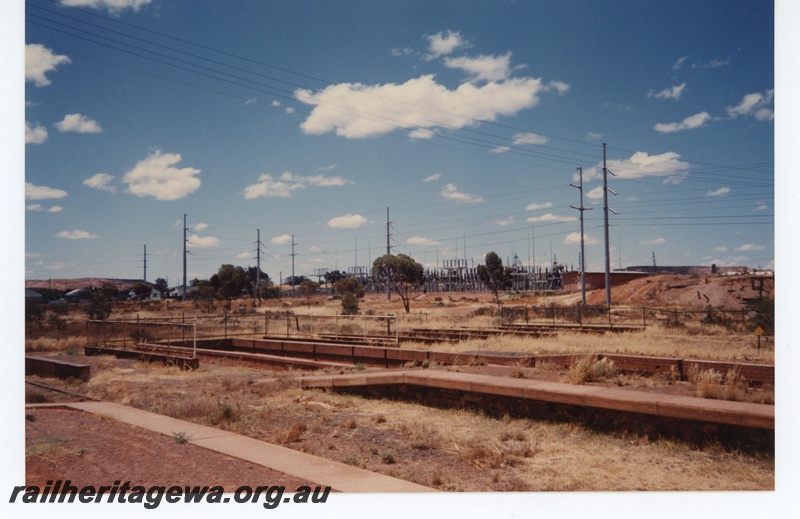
(354, 460)
(587, 369)
(380, 419)
(292, 433)
(180, 438)
(388, 458)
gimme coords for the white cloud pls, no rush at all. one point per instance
(156, 176)
(35, 135)
(55, 209)
(762, 207)
(421, 133)
(201, 242)
(407, 51)
(655, 241)
(500, 149)
(756, 105)
(34, 192)
(714, 63)
(419, 240)
(288, 182)
(487, 68)
(443, 43)
(550, 217)
(720, 249)
(450, 192)
(673, 92)
(559, 86)
(355, 111)
(536, 207)
(200, 227)
(433, 178)
(35, 207)
(275, 103)
(101, 181)
(289, 110)
(690, 123)
(329, 167)
(679, 63)
(574, 238)
(76, 235)
(642, 165)
(283, 239)
(347, 221)
(529, 138)
(39, 60)
(595, 194)
(505, 222)
(594, 136)
(719, 192)
(112, 6)
(78, 123)
(245, 255)
(749, 247)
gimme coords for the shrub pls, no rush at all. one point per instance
(349, 304)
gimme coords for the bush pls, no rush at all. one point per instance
(349, 304)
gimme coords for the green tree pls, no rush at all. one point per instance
(349, 285)
(401, 272)
(99, 307)
(494, 275)
(230, 282)
(349, 304)
(142, 290)
(162, 286)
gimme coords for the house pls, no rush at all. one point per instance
(33, 296)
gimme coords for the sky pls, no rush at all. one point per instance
(279, 122)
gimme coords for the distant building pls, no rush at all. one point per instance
(596, 280)
(33, 296)
(700, 270)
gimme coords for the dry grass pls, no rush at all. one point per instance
(589, 369)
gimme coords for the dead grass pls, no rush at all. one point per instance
(589, 369)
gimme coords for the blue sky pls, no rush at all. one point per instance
(467, 119)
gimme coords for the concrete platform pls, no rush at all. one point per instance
(339, 476)
(758, 416)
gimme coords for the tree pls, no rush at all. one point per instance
(254, 278)
(334, 276)
(308, 288)
(99, 307)
(162, 286)
(142, 290)
(349, 286)
(401, 272)
(230, 282)
(494, 275)
(205, 292)
(349, 304)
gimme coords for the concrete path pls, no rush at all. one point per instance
(339, 476)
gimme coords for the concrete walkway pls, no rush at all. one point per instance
(339, 476)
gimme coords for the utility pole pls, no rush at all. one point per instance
(655, 269)
(258, 263)
(583, 253)
(606, 209)
(144, 274)
(183, 298)
(293, 255)
(388, 251)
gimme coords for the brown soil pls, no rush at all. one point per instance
(92, 450)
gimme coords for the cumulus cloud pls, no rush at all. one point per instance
(421, 133)
(34, 192)
(433, 178)
(419, 240)
(35, 135)
(690, 123)
(643, 165)
(719, 192)
(202, 242)
(443, 43)
(200, 227)
(39, 60)
(551, 218)
(486, 68)
(112, 6)
(158, 177)
(245, 255)
(41, 208)
(755, 105)
(76, 235)
(536, 206)
(282, 187)
(407, 51)
(101, 181)
(673, 92)
(574, 238)
(283, 239)
(595, 194)
(500, 149)
(347, 221)
(655, 241)
(720, 249)
(451, 192)
(355, 111)
(530, 138)
(78, 123)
